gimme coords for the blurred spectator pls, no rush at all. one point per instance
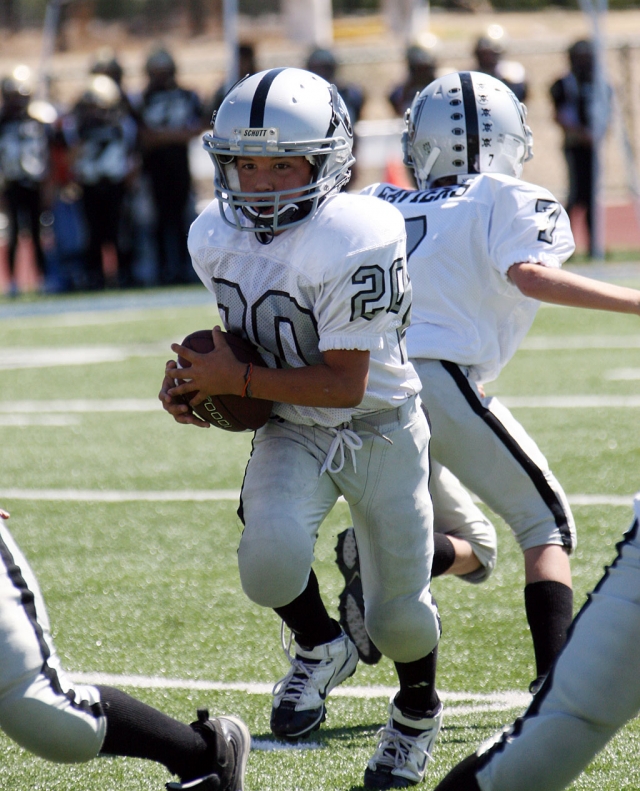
(489, 53)
(170, 117)
(421, 70)
(246, 65)
(572, 97)
(102, 139)
(132, 225)
(323, 63)
(107, 63)
(24, 164)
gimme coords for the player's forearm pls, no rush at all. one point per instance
(313, 385)
(567, 288)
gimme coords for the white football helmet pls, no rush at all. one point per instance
(466, 123)
(279, 113)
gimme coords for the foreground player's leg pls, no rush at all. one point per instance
(208, 755)
(591, 691)
(45, 712)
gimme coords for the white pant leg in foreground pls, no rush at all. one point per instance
(40, 708)
(592, 691)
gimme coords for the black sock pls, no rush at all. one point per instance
(418, 696)
(140, 731)
(444, 554)
(549, 608)
(307, 617)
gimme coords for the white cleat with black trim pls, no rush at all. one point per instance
(400, 760)
(299, 698)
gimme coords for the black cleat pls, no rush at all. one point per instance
(230, 742)
(351, 604)
(462, 777)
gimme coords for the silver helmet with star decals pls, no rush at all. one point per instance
(463, 124)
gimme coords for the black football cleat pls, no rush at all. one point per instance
(462, 777)
(351, 603)
(230, 742)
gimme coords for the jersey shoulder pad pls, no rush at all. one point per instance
(363, 219)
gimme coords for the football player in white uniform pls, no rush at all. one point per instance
(45, 712)
(316, 279)
(591, 691)
(483, 248)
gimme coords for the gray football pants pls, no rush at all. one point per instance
(285, 499)
(592, 690)
(40, 707)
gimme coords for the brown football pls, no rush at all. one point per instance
(228, 412)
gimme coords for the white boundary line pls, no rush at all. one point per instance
(208, 495)
(457, 702)
(99, 405)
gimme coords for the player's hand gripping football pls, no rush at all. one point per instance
(214, 373)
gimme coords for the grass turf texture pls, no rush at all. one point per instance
(152, 588)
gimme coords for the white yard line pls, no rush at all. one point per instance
(571, 402)
(457, 702)
(206, 495)
(542, 343)
(18, 357)
(81, 405)
(118, 495)
(99, 405)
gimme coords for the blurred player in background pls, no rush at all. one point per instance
(572, 97)
(489, 54)
(46, 713)
(170, 117)
(421, 70)
(592, 690)
(102, 137)
(323, 62)
(24, 166)
(316, 279)
(483, 248)
(247, 65)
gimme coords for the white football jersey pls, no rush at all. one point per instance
(338, 281)
(461, 242)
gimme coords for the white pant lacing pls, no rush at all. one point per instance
(343, 437)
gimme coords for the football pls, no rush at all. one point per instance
(228, 412)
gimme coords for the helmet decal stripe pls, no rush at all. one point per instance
(471, 118)
(256, 119)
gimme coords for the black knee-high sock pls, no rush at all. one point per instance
(140, 731)
(418, 685)
(549, 608)
(444, 554)
(307, 617)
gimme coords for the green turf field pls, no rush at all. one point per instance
(138, 566)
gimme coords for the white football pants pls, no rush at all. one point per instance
(455, 514)
(483, 445)
(285, 498)
(592, 690)
(40, 708)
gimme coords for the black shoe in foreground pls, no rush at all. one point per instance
(230, 741)
(351, 604)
